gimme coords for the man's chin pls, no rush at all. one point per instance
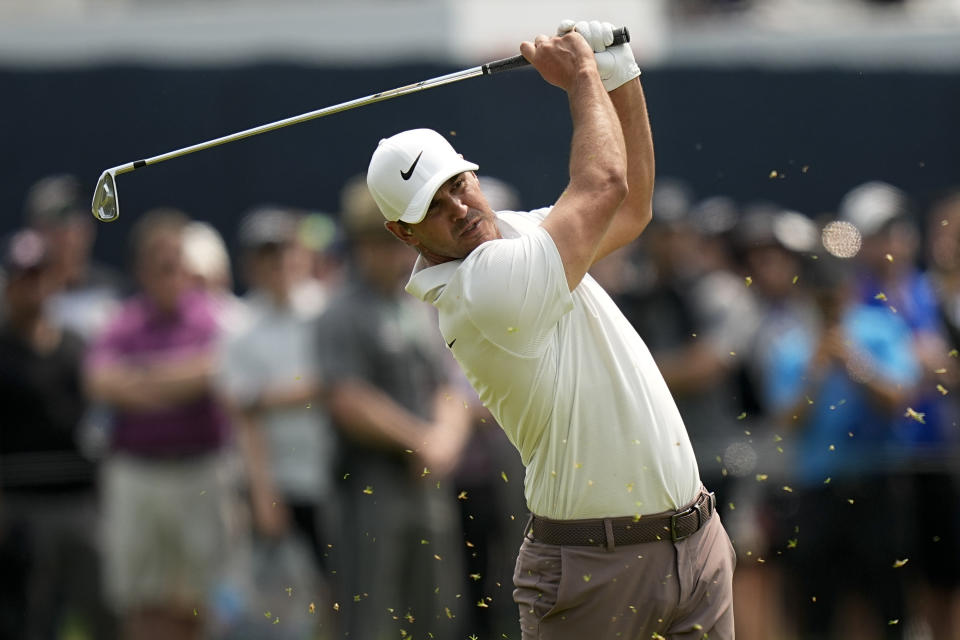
(472, 243)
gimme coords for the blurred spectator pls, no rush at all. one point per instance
(166, 497)
(890, 279)
(268, 373)
(318, 258)
(943, 258)
(405, 425)
(696, 315)
(207, 263)
(840, 383)
(50, 576)
(769, 242)
(85, 293)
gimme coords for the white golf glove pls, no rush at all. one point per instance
(616, 64)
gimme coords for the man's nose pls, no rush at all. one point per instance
(458, 208)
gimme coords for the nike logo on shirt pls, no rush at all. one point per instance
(409, 172)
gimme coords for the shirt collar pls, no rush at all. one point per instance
(428, 282)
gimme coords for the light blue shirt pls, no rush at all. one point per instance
(841, 415)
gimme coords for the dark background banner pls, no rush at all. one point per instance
(723, 130)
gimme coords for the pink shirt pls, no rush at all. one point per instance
(140, 334)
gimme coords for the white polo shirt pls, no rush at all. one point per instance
(565, 375)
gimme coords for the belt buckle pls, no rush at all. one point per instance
(676, 536)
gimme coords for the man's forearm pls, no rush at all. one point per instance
(453, 414)
(635, 212)
(119, 386)
(296, 394)
(253, 449)
(579, 220)
(181, 381)
(691, 368)
(150, 387)
(597, 150)
(631, 106)
(367, 413)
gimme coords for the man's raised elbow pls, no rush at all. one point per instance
(605, 189)
(644, 216)
(614, 188)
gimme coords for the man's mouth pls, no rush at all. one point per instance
(471, 227)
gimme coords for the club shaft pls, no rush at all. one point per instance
(620, 36)
(310, 115)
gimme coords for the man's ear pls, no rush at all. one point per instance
(401, 232)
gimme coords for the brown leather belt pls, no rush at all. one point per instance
(609, 532)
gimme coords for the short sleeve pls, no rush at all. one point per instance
(236, 375)
(785, 367)
(515, 291)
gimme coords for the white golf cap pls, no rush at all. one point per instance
(407, 169)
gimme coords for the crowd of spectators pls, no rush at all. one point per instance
(273, 441)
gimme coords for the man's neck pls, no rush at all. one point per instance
(432, 259)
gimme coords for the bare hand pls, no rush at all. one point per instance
(834, 343)
(271, 517)
(440, 452)
(559, 59)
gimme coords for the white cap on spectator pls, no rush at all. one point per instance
(870, 206)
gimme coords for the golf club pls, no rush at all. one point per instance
(106, 200)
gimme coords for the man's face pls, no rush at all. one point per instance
(458, 220)
(383, 261)
(274, 266)
(891, 249)
(161, 270)
(773, 270)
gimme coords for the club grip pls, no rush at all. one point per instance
(620, 36)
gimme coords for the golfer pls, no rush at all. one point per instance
(624, 540)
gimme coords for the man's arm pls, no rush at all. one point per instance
(271, 515)
(150, 387)
(369, 414)
(297, 393)
(636, 210)
(620, 75)
(452, 418)
(581, 217)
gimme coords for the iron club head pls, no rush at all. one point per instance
(106, 203)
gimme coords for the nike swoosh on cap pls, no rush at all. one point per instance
(450, 344)
(409, 172)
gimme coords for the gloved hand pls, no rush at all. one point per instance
(616, 64)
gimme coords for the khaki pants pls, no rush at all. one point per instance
(166, 528)
(674, 590)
